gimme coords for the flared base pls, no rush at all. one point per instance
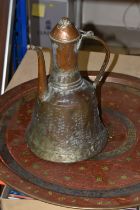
(58, 154)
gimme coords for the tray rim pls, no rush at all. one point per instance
(32, 85)
(111, 77)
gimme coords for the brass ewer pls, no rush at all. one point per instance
(66, 126)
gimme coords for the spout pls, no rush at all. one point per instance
(42, 82)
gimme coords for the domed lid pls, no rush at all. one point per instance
(64, 31)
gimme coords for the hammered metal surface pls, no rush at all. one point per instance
(111, 180)
(65, 125)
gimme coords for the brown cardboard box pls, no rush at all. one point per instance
(125, 64)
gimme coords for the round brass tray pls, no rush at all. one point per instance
(109, 180)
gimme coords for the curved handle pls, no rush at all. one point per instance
(90, 35)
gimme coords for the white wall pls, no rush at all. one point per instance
(125, 13)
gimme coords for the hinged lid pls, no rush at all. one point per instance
(64, 31)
